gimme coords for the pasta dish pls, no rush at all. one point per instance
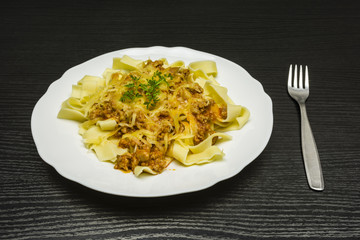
(141, 115)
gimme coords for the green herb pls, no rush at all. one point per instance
(135, 78)
(151, 89)
(160, 78)
(169, 76)
(132, 93)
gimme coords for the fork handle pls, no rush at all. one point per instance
(310, 153)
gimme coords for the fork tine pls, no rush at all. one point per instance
(295, 77)
(290, 76)
(300, 77)
(306, 77)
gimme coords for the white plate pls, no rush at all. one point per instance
(60, 145)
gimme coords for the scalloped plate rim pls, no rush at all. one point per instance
(85, 182)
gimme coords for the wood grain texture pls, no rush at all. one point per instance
(269, 199)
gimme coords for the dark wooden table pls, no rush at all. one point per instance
(270, 198)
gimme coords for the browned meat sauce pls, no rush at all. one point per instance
(187, 94)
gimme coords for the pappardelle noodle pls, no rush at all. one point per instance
(141, 115)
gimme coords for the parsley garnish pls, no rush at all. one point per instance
(151, 89)
(132, 91)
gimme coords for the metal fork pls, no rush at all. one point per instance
(300, 93)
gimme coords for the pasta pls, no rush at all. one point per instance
(141, 115)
